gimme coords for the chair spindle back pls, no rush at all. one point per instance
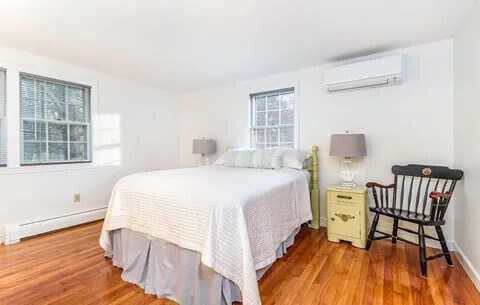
(413, 186)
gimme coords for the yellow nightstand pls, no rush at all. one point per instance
(347, 217)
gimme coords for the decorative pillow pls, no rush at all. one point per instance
(243, 159)
(257, 159)
(230, 155)
(269, 159)
(272, 159)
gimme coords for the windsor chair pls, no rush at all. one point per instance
(407, 199)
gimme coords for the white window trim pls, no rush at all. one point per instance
(296, 127)
(68, 123)
(3, 120)
(13, 117)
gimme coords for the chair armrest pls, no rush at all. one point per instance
(438, 195)
(375, 184)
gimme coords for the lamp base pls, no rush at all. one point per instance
(346, 175)
(205, 159)
(346, 185)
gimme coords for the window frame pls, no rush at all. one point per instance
(252, 117)
(3, 119)
(68, 123)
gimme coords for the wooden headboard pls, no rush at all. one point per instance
(314, 191)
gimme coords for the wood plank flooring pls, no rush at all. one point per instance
(68, 267)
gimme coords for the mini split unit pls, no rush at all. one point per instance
(385, 71)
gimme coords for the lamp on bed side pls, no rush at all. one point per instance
(347, 146)
(205, 147)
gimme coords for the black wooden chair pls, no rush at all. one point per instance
(420, 194)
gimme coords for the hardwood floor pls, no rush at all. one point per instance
(68, 267)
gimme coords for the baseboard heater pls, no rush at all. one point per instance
(13, 233)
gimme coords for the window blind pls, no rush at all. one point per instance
(272, 119)
(3, 129)
(55, 121)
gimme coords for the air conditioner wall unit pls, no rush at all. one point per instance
(385, 71)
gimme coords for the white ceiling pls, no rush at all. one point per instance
(185, 45)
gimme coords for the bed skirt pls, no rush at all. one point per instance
(169, 271)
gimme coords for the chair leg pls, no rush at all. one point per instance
(422, 250)
(395, 231)
(445, 249)
(373, 229)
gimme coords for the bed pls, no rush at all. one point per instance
(205, 235)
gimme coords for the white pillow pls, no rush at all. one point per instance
(220, 160)
(293, 158)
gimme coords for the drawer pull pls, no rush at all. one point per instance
(344, 217)
(344, 197)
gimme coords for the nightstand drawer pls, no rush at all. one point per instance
(344, 219)
(344, 197)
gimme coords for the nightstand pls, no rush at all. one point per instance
(347, 216)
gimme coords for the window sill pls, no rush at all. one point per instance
(54, 163)
(46, 168)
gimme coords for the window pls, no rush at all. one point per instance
(3, 134)
(55, 121)
(272, 119)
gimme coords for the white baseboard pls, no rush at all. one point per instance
(2, 235)
(468, 267)
(386, 228)
(13, 233)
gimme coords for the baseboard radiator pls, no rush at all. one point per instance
(13, 233)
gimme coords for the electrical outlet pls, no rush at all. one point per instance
(76, 197)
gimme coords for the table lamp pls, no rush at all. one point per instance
(347, 146)
(204, 147)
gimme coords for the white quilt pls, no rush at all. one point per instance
(234, 217)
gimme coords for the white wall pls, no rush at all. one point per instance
(466, 138)
(403, 124)
(135, 128)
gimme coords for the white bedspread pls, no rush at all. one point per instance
(234, 217)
